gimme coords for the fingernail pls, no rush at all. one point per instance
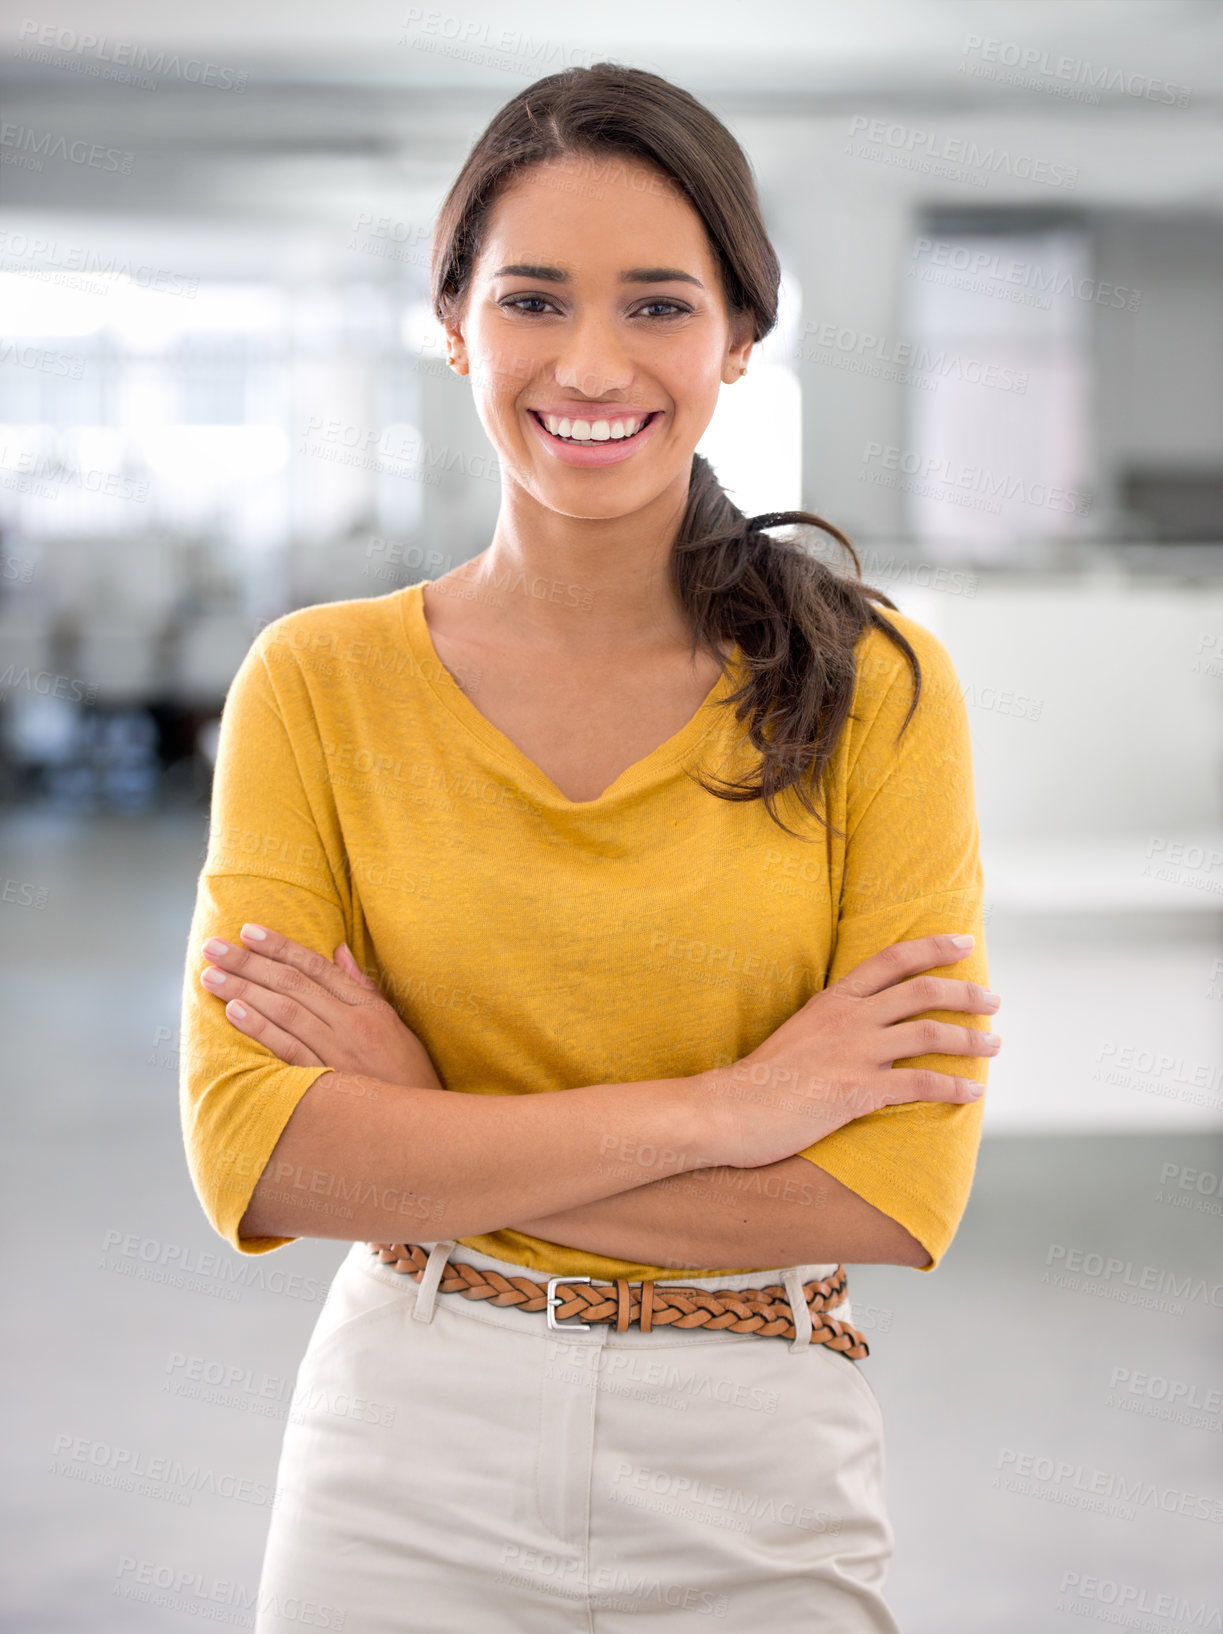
(976, 1091)
(233, 1008)
(993, 1038)
(991, 998)
(255, 932)
(214, 944)
(212, 978)
(963, 941)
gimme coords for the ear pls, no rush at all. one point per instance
(456, 347)
(739, 349)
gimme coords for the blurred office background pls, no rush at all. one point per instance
(999, 368)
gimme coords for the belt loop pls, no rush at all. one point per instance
(622, 1305)
(422, 1311)
(793, 1280)
(646, 1319)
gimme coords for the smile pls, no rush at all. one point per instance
(588, 432)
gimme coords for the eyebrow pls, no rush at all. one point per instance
(634, 275)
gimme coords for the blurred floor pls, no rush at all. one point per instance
(1038, 1471)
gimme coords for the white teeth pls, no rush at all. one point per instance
(598, 431)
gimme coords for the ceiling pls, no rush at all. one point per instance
(334, 109)
(801, 46)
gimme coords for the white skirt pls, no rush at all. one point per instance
(452, 1465)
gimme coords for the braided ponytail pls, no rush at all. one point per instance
(796, 624)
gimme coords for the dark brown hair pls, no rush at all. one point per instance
(795, 621)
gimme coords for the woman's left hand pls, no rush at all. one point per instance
(311, 1012)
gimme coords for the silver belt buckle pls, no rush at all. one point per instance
(554, 1301)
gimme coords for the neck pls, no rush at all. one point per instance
(586, 586)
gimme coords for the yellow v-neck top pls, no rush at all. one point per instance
(535, 943)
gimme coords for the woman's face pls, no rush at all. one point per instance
(597, 335)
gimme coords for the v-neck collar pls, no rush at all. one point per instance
(451, 696)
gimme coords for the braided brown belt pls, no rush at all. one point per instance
(764, 1312)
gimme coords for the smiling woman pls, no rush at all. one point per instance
(650, 882)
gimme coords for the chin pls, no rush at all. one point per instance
(619, 498)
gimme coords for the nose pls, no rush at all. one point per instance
(593, 361)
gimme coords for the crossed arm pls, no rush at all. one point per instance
(785, 1213)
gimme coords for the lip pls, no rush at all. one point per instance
(592, 411)
(611, 452)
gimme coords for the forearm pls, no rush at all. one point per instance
(787, 1213)
(360, 1159)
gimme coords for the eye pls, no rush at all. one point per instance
(517, 303)
(676, 309)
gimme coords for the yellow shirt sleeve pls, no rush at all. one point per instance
(912, 868)
(266, 862)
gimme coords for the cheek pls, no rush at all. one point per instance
(694, 388)
(694, 372)
(503, 362)
(500, 373)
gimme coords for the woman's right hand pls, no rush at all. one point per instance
(831, 1062)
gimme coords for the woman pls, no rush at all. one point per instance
(499, 833)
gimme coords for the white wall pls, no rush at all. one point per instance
(1095, 713)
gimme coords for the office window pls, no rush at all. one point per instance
(997, 445)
